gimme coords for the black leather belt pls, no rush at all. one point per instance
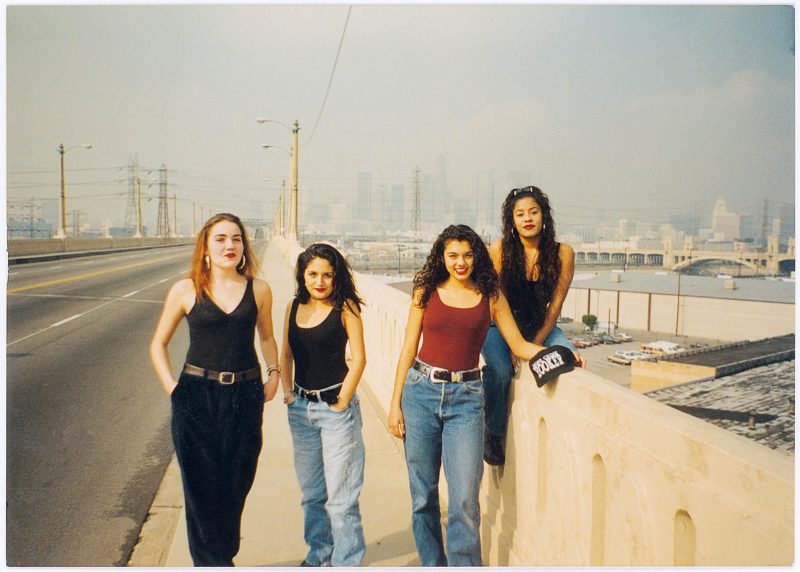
(438, 374)
(224, 377)
(328, 395)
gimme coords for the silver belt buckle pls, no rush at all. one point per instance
(226, 377)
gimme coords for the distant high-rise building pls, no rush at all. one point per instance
(624, 229)
(396, 208)
(487, 202)
(588, 233)
(724, 224)
(363, 195)
(787, 222)
(376, 208)
(776, 227)
(518, 179)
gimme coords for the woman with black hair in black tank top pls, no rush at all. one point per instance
(218, 400)
(323, 409)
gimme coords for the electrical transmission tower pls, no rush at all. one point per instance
(130, 209)
(163, 203)
(417, 191)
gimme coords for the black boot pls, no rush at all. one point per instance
(493, 449)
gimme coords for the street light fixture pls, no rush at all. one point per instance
(62, 230)
(295, 129)
(284, 149)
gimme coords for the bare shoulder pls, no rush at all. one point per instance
(350, 310)
(182, 288)
(566, 251)
(261, 288)
(182, 294)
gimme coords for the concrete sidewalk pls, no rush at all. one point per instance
(272, 523)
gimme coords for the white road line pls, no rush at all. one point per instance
(62, 322)
(162, 281)
(78, 315)
(89, 262)
(129, 294)
(13, 273)
(55, 267)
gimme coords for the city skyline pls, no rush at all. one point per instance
(615, 111)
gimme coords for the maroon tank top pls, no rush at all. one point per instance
(452, 337)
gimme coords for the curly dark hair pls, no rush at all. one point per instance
(513, 275)
(344, 287)
(434, 271)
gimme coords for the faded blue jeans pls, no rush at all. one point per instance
(499, 370)
(329, 461)
(444, 423)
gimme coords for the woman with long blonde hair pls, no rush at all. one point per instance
(218, 398)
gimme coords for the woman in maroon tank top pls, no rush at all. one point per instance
(437, 403)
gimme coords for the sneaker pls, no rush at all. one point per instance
(306, 563)
(493, 449)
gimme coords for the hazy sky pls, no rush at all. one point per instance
(615, 107)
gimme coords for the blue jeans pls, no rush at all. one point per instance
(444, 422)
(499, 370)
(329, 461)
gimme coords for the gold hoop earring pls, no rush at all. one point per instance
(242, 263)
(207, 260)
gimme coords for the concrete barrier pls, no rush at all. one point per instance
(597, 474)
(30, 250)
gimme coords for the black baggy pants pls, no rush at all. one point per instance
(217, 433)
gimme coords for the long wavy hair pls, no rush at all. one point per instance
(199, 272)
(344, 285)
(434, 271)
(513, 275)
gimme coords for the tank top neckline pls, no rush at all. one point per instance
(299, 327)
(457, 307)
(239, 305)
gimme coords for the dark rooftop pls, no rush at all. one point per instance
(728, 354)
(765, 393)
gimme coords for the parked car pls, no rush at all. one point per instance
(622, 337)
(625, 357)
(579, 343)
(607, 339)
(564, 320)
(661, 347)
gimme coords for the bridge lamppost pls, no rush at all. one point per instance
(282, 198)
(62, 229)
(293, 178)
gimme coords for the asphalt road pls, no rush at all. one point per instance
(87, 424)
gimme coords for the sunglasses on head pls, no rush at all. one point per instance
(528, 190)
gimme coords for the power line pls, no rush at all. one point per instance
(330, 80)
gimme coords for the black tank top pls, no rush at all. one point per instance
(319, 351)
(220, 341)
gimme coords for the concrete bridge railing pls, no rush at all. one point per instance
(599, 475)
(29, 247)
